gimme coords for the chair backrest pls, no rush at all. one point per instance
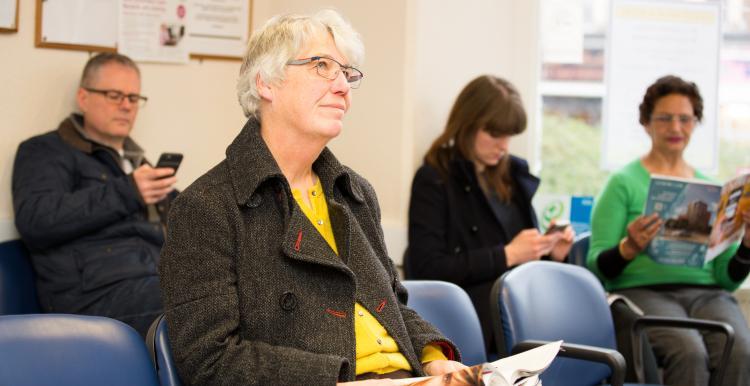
(56, 349)
(449, 308)
(17, 280)
(580, 250)
(159, 348)
(545, 300)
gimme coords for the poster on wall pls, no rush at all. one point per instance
(77, 24)
(219, 28)
(562, 31)
(153, 30)
(648, 39)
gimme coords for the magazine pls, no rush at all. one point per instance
(700, 219)
(518, 370)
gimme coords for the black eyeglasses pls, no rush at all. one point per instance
(330, 68)
(116, 97)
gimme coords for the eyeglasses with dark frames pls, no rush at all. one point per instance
(330, 69)
(116, 96)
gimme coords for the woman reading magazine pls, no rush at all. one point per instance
(669, 113)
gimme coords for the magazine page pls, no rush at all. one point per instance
(688, 210)
(728, 227)
(518, 370)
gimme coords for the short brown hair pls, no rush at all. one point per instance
(667, 85)
(489, 103)
(91, 70)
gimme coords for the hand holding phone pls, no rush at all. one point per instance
(169, 160)
(558, 226)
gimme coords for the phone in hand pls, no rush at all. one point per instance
(169, 160)
(559, 226)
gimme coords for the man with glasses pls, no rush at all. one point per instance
(89, 207)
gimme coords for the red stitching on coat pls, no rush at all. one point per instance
(380, 306)
(299, 241)
(335, 313)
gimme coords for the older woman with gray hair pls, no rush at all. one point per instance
(275, 270)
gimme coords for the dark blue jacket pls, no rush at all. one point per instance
(455, 236)
(82, 217)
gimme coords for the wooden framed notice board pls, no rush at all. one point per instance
(213, 29)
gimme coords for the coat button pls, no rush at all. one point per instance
(288, 301)
(255, 200)
(474, 229)
(104, 177)
(467, 188)
(457, 250)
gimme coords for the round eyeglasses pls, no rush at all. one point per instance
(330, 69)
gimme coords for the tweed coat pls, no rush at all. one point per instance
(255, 296)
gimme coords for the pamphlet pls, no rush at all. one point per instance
(518, 370)
(700, 219)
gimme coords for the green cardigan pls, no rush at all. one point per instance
(621, 201)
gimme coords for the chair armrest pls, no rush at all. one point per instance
(645, 322)
(612, 358)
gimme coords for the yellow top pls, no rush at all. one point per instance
(376, 351)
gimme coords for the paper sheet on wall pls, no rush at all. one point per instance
(218, 27)
(61, 22)
(562, 31)
(8, 14)
(648, 39)
(153, 30)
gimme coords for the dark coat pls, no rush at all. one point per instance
(455, 236)
(82, 218)
(253, 293)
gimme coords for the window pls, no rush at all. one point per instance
(572, 94)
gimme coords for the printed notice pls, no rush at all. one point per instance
(219, 27)
(153, 30)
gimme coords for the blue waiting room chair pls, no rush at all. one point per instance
(57, 349)
(449, 308)
(17, 280)
(543, 301)
(160, 351)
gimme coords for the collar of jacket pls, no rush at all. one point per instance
(519, 171)
(251, 164)
(71, 131)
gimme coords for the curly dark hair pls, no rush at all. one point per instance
(667, 85)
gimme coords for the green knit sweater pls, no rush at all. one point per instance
(621, 201)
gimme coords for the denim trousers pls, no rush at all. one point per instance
(136, 302)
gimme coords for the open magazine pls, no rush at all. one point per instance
(701, 219)
(518, 370)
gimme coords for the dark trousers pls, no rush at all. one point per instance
(136, 302)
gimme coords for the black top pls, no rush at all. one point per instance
(456, 236)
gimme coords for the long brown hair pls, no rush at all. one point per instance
(488, 103)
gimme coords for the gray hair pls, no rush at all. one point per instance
(91, 70)
(280, 40)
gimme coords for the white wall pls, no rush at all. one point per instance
(419, 54)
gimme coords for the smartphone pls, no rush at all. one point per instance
(169, 160)
(559, 226)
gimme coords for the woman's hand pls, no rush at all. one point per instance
(441, 366)
(529, 245)
(640, 232)
(564, 242)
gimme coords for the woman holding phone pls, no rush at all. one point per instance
(470, 216)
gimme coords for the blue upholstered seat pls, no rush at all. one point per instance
(17, 286)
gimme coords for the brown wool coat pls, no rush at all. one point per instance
(254, 295)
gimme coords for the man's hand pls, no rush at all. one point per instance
(154, 184)
(441, 366)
